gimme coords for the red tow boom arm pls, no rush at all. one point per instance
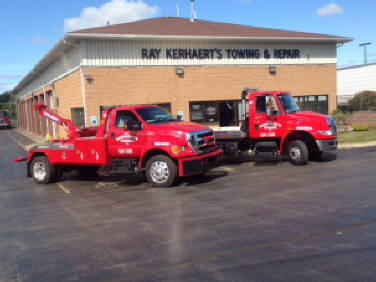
(71, 129)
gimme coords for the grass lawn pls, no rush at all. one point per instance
(357, 136)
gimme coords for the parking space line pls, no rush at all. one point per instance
(61, 186)
(17, 142)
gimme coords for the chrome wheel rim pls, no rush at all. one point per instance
(159, 172)
(295, 153)
(39, 171)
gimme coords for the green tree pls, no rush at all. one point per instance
(5, 97)
(363, 101)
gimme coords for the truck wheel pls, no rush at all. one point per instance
(161, 171)
(298, 152)
(42, 170)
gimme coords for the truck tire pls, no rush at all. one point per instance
(42, 170)
(161, 171)
(298, 152)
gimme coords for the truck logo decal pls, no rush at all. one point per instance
(51, 117)
(126, 138)
(270, 125)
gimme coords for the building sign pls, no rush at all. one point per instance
(218, 53)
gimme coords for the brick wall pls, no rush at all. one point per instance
(69, 92)
(114, 86)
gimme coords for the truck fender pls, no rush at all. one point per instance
(304, 136)
(148, 154)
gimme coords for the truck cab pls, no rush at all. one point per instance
(275, 126)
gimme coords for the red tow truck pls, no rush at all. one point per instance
(130, 140)
(273, 126)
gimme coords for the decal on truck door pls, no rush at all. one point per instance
(270, 125)
(126, 138)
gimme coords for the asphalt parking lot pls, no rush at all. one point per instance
(242, 222)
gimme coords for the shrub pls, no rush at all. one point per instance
(336, 112)
(363, 101)
(360, 127)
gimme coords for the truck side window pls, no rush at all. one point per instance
(261, 105)
(122, 117)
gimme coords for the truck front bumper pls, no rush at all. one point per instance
(327, 145)
(200, 164)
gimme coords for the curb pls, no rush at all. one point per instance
(357, 145)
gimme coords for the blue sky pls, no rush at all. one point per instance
(29, 29)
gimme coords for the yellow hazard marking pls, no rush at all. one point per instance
(226, 168)
(108, 185)
(17, 142)
(61, 186)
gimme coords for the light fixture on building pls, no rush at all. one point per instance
(88, 77)
(180, 70)
(272, 69)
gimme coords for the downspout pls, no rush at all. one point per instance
(82, 77)
(45, 101)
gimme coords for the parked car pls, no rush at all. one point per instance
(4, 118)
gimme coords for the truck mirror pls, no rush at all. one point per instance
(269, 112)
(132, 125)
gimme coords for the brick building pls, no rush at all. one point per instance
(193, 68)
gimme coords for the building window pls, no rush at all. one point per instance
(78, 116)
(314, 103)
(224, 113)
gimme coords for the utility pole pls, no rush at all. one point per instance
(364, 45)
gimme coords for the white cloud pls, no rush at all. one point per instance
(36, 40)
(39, 40)
(115, 11)
(330, 9)
(10, 76)
(5, 87)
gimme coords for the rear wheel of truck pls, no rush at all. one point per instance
(161, 171)
(42, 170)
(298, 152)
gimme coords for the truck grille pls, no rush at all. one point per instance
(202, 142)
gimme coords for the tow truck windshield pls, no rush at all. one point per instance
(288, 103)
(154, 115)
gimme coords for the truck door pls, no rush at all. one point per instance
(125, 135)
(260, 124)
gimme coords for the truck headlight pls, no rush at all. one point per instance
(326, 132)
(177, 149)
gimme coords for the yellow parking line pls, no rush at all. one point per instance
(17, 142)
(63, 188)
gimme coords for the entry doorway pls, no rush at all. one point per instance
(227, 113)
